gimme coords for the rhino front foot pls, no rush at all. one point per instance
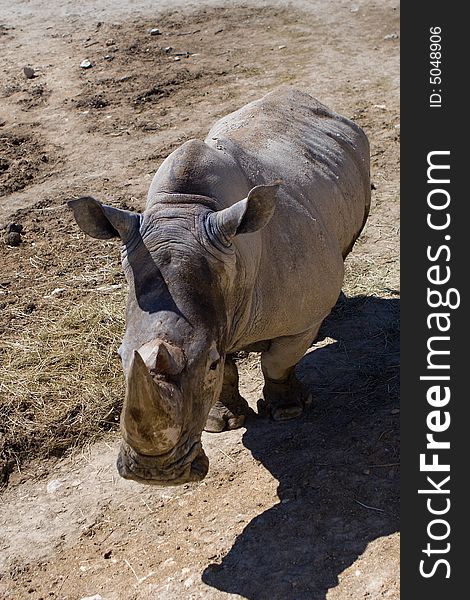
(284, 400)
(231, 410)
(221, 417)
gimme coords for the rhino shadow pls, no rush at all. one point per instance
(341, 452)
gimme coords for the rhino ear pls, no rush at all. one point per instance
(248, 215)
(102, 221)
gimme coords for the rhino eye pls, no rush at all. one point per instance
(214, 365)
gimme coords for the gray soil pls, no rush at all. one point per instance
(302, 510)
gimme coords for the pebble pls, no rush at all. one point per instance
(53, 486)
(13, 238)
(155, 31)
(28, 72)
(395, 411)
(14, 227)
(95, 597)
(86, 64)
(177, 58)
(391, 36)
(282, 47)
(167, 49)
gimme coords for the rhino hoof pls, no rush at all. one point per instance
(221, 418)
(280, 412)
(284, 401)
(285, 413)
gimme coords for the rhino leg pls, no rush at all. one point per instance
(284, 396)
(230, 411)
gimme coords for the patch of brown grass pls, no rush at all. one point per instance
(60, 380)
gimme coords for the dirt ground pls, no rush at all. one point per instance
(303, 510)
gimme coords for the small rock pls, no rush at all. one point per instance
(86, 64)
(373, 186)
(110, 42)
(155, 31)
(366, 472)
(14, 227)
(354, 9)
(282, 47)
(29, 308)
(13, 238)
(53, 486)
(95, 597)
(177, 58)
(167, 49)
(28, 72)
(391, 36)
(381, 106)
(395, 411)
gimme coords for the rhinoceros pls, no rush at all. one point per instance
(241, 246)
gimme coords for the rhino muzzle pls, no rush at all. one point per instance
(164, 470)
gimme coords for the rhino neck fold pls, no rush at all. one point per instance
(166, 197)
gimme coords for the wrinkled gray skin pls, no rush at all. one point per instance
(226, 258)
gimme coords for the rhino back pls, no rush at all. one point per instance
(323, 160)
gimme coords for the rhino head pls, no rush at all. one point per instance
(183, 271)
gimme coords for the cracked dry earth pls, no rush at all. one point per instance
(302, 510)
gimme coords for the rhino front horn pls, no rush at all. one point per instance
(162, 357)
(151, 419)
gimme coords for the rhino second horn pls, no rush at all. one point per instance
(161, 357)
(151, 419)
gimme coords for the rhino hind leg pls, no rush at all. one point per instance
(230, 411)
(284, 396)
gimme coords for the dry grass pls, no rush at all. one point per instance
(61, 380)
